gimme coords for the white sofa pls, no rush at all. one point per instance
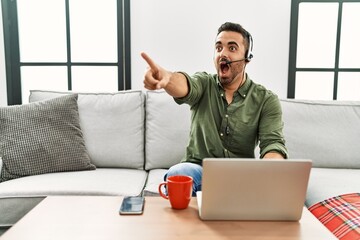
(134, 136)
(327, 132)
(131, 137)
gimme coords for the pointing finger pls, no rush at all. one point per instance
(151, 63)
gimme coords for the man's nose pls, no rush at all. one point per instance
(223, 53)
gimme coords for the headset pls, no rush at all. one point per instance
(249, 55)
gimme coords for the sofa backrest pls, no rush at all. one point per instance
(131, 129)
(325, 131)
(167, 130)
(112, 125)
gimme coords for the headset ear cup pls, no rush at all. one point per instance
(248, 59)
(249, 54)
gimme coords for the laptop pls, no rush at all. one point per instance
(253, 189)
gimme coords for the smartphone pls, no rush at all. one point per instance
(132, 205)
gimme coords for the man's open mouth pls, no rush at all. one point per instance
(224, 67)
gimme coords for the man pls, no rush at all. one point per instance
(230, 113)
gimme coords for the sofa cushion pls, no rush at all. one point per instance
(42, 137)
(19, 196)
(325, 183)
(155, 177)
(167, 130)
(112, 124)
(325, 131)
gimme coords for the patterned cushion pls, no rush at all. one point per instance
(112, 125)
(42, 137)
(340, 214)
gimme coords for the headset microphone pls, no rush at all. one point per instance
(229, 62)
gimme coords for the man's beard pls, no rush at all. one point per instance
(226, 81)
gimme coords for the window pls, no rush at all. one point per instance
(79, 45)
(324, 50)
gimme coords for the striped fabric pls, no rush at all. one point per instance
(341, 215)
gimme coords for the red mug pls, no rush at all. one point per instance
(179, 189)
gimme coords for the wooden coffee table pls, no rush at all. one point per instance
(97, 218)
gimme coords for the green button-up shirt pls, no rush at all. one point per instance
(219, 129)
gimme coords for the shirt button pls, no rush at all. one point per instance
(226, 116)
(221, 134)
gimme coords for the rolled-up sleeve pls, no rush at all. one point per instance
(196, 85)
(271, 128)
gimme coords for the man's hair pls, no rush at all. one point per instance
(235, 27)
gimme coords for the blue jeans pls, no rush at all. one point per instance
(189, 169)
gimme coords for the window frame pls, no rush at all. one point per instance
(12, 50)
(293, 47)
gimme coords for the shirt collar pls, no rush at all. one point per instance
(244, 89)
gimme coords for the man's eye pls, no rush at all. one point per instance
(232, 48)
(218, 49)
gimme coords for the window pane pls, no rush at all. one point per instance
(350, 36)
(42, 78)
(92, 79)
(314, 85)
(316, 35)
(93, 26)
(349, 86)
(42, 30)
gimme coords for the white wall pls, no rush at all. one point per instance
(3, 95)
(179, 35)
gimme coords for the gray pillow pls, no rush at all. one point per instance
(42, 137)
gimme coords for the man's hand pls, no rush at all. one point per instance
(273, 155)
(155, 77)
